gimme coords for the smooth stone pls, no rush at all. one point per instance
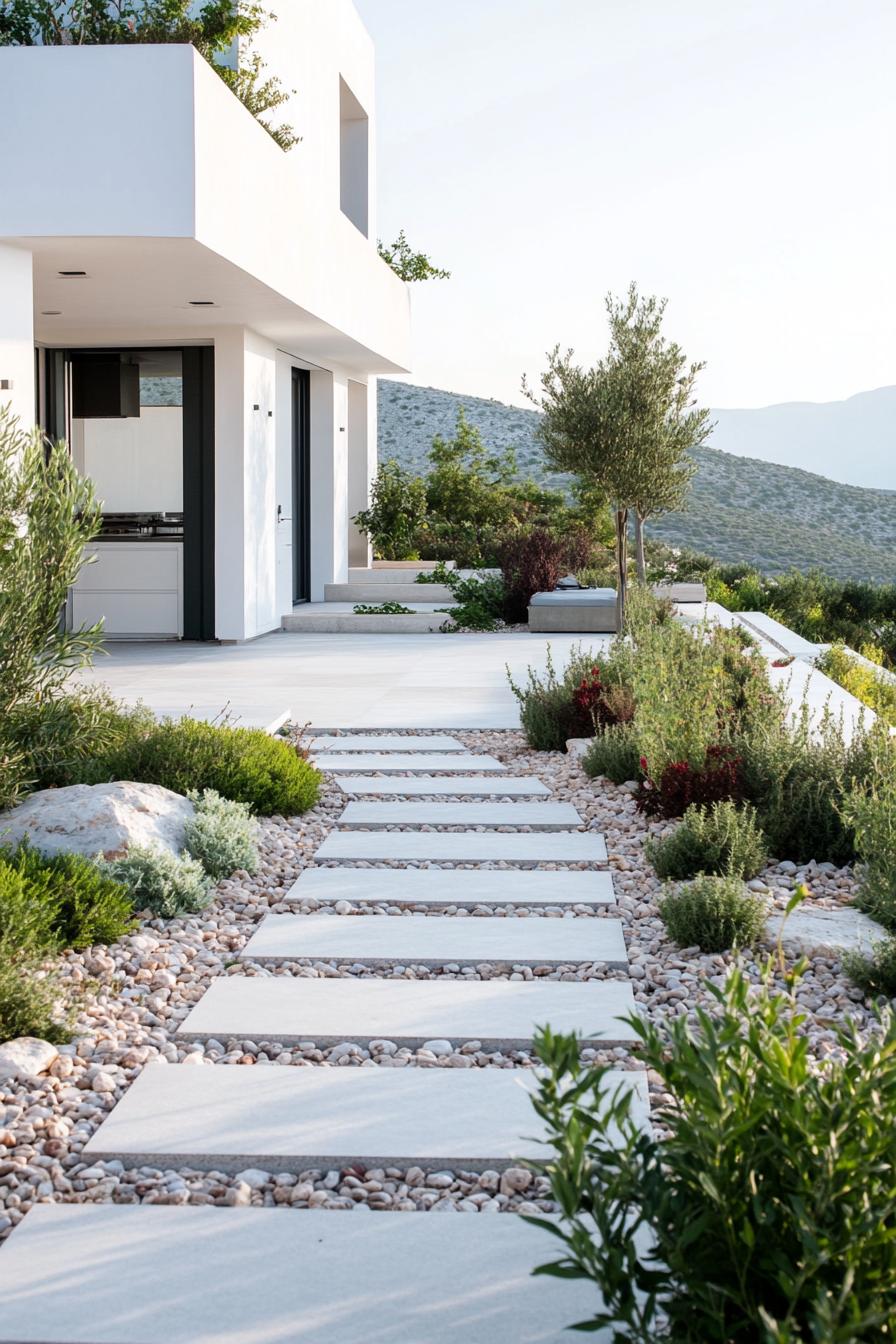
(328, 1011)
(464, 847)
(442, 887)
(385, 742)
(538, 816)
(844, 929)
(458, 786)
(435, 940)
(104, 1273)
(400, 762)
(93, 819)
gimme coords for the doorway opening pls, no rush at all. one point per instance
(301, 486)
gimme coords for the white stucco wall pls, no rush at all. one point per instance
(17, 332)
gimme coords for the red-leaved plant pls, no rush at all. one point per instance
(681, 784)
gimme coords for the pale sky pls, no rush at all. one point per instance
(734, 157)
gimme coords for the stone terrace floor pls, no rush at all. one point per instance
(338, 681)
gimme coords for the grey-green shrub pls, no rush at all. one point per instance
(869, 810)
(614, 754)
(161, 882)
(713, 913)
(874, 972)
(221, 835)
(32, 1003)
(720, 838)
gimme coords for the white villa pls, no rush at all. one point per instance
(201, 315)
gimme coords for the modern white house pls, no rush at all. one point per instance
(201, 315)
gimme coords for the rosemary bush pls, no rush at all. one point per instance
(721, 838)
(713, 913)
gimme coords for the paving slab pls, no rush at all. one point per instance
(437, 940)
(401, 762)
(465, 889)
(503, 1013)
(385, 742)
(150, 1274)
(538, 816)
(463, 847)
(457, 786)
(230, 1118)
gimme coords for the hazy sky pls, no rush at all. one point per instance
(735, 157)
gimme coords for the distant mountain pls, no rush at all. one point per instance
(740, 508)
(853, 441)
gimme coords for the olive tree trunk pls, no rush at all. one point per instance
(621, 565)
(639, 547)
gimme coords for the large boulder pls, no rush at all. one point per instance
(25, 1057)
(817, 929)
(93, 819)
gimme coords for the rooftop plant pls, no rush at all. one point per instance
(212, 30)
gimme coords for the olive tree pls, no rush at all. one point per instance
(626, 425)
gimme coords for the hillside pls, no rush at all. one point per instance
(740, 508)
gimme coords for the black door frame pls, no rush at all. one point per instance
(301, 486)
(198, 464)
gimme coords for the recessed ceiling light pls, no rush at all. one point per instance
(51, 312)
(202, 303)
(72, 275)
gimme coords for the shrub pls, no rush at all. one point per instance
(682, 785)
(533, 560)
(221, 835)
(245, 765)
(870, 684)
(549, 714)
(59, 733)
(31, 1003)
(614, 753)
(72, 903)
(869, 810)
(396, 512)
(760, 1209)
(875, 973)
(713, 913)
(160, 881)
(719, 839)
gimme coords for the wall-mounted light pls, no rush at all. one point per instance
(72, 275)
(202, 303)
(51, 312)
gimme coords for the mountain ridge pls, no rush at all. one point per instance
(741, 508)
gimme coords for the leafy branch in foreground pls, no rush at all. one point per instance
(766, 1214)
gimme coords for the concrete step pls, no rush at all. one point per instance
(462, 847)
(447, 887)
(317, 620)
(387, 592)
(230, 1118)
(399, 762)
(514, 786)
(342, 742)
(502, 1014)
(106, 1273)
(370, 816)
(400, 568)
(437, 940)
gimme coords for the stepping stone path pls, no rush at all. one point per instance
(403, 762)
(456, 786)
(288, 1119)
(425, 940)
(463, 847)
(536, 816)
(192, 1275)
(466, 889)
(502, 1014)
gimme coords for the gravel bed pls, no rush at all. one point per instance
(137, 991)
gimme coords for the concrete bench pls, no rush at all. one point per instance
(681, 592)
(573, 611)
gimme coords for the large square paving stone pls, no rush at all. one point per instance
(400, 762)
(147, 1274)
(503, 1013)
(436, 940)
(385, 742)
(463, 847)
(537, 816)
(458, 786)
(223, 1117)
(465, 888)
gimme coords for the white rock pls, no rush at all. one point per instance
(254, 1178)
(25, 1057)
(95, 819)
(809, 929)
(439, 1048)
(515, 1179)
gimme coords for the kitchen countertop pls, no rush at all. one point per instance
(132, 537)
